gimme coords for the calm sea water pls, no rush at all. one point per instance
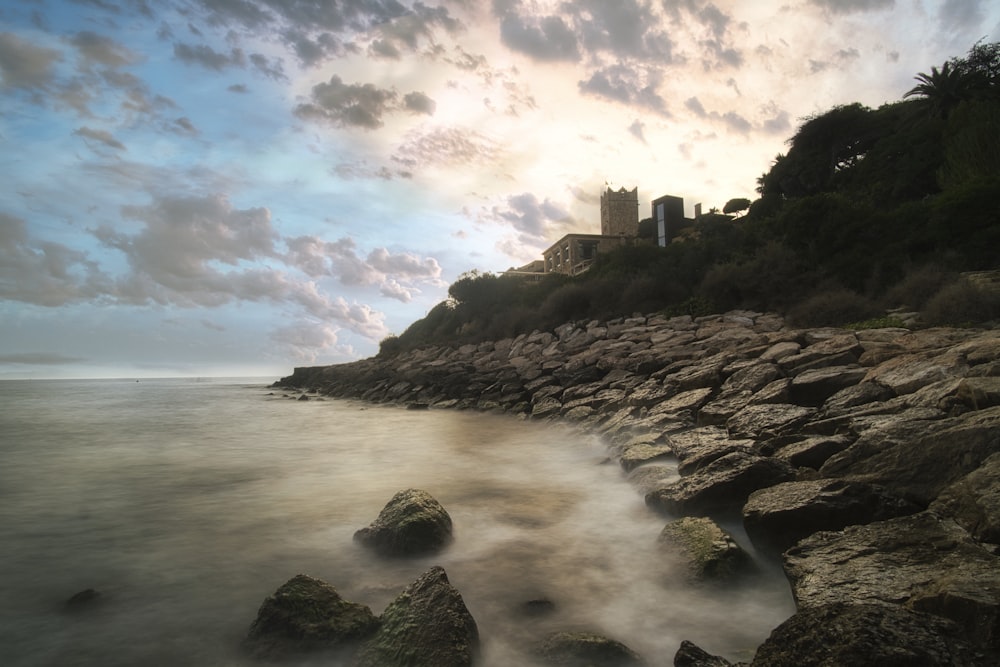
(186, 503)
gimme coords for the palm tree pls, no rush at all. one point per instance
(943, 89)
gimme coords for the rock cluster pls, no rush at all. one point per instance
(871, 457)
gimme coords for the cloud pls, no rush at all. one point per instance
(39, 359)
(636, 130)
(305, 340)
(958, 15)
(359, 105)
(100, 136)
(546, 38)
(271, 69)
(449, 147)
(851, 6)
(24, 65)
(630, 85)
(736, 122)
(97, 49)
(340, 259)
(42, 272)
(529, 217)
(207, 57)
(695, 106)
(419, 103)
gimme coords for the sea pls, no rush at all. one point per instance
(185, 502)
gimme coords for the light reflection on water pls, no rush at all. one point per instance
(186, 503)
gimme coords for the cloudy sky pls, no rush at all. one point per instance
(238, 187)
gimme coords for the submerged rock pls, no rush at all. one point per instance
(307, 614)
(584, 649)
(709, 552)
(428, 624)
(411, 523)
(691, 655)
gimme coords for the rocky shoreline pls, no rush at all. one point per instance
(867, 461)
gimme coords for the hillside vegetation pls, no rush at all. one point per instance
(868, 210)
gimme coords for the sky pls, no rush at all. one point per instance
(240, 187)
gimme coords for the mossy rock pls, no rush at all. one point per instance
(710, 552)
(412, 523)
(307, 614)
(428, 624)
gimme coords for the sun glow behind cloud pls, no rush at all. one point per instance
(259, 185)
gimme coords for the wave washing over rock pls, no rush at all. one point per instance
(869, 460)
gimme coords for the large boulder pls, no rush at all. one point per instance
(585, 649)
(307, 614)
(779, 516)
(917, 460)
(814, 386)
(974, 501)
(411, 523)
(428, 624)
(721, 486)
(869, 635)
(708, 552)
(922, 561)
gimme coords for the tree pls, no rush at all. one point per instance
(736, 205)
(942, 90)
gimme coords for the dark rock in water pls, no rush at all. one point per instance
(923, 562)
(710, 552)
(869, 635)
(974, 501)
(583, 649)
(303, 397)
(538, 607)
(412, 523)
(307, 614)
(722, 485)
(779, 516)
(85, 599)
(691, 655)
(428, 624)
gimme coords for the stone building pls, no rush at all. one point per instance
(620, 212)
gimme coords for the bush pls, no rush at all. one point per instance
(918, 286)
(960, 303)
(834, 307)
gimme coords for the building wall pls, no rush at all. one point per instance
(620, 212)
(574, 253)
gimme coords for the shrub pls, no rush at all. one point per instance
(918, 286)
(833, 307)
(960, 303)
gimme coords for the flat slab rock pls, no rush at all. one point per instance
(779, 516)
(974, 501)
(722, 485)
(923, 562)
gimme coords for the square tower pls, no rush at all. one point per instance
(620, 212)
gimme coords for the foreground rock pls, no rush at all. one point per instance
(428, 624)
(869, 635)
(583, 649)
(306, 615)
(412, 523)
(922, 562)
